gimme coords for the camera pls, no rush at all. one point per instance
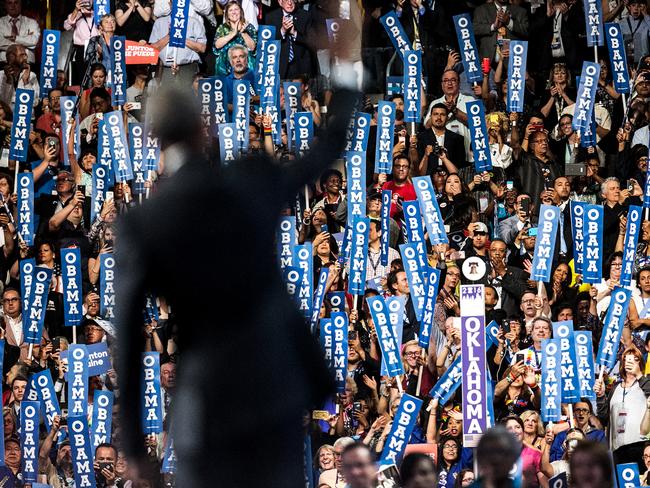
(437, 148)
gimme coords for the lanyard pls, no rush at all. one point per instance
(629, 24)
(625, 389)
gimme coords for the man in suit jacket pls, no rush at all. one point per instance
(257, 364)
(453, 144)
(498, 20)
(292, 28)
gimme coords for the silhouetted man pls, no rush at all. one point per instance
(249, 365)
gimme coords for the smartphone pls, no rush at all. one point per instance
(509, 185)
(99, 115)
(525, 205)
(352, 335)
(532, 232)
(630, 185)
(109, 195)
(82, 189)
(356, 406)
(109, 243)
(56, 344)
(505, 326)
(320, 415)
(324, 228)
(51, 142)
(136, 105)
(519, 357)
(64, 420)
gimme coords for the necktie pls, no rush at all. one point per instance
(14, 27)
(290, 40)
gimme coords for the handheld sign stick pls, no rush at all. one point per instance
(417, 389)
(30, 351)
(398, 380)
(74, 334)
(571, 420)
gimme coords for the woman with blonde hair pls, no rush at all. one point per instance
(533, 429)
(234, 31)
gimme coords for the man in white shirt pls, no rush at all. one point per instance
(15, 28)
(456, 103)
(17, 74)
(374, 268)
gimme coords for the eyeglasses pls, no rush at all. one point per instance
(540, 141)
(646, 456)
(452, 81)
(401, 166)
(530, 300)
(411, 354)
(581, 410)
(617, 265)
(451, 447)
(10, 300)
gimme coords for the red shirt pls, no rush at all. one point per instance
(406, 191)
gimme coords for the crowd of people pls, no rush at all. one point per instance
(490, 218)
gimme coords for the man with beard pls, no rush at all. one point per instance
(59, 474)
(451, 146)
(238, 57)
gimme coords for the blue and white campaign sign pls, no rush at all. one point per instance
(570, 384)
(29, 420)
(415, 274)
(545, 243)
(628, 475)
(78, 381)
(551, 381)
(152, 152)
(104, 157)
(359, 256)
(67, 105)
(517, 75)
(82, 451)
(218, 102)
(169, 457)
(473, 347)
(337, 301)
(303, 125)
(270, 79)
(99, 188)
(228, 143)
(414, 230)
(387, 342)
(593, 265)
(412, 86)
(386, 199)
(27, 267)
(303, 259)
(286, 239)
(361, 132)
(101, 8)
(385, 135)
(178, 23)
(578, 232)
(430, 210)
(21, 124)
(319, 296)
(292, 279)
(479, 135)
(400, 432)
(99, 362)
(617, 58)
(292, 97)
(136, 152)
(49, 60)
(102, 417)
(613, 327)
(72, 292)
(118, 75)
(646, 191)
(355, 168)
(241, 113)
(339, 324)
(265, 34)
(427, 321)
(33, 320)
(594, 20)
(467, 46)
(26, 216)
(586, 95)
(634, 214)
(559, 481)
(396, 33)
(151, 398)
(585, 357)
(327, 341)
(107, 285)
(448, 383)
(396, 307)
(349, 133)
(119, 149)
(41, 387)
